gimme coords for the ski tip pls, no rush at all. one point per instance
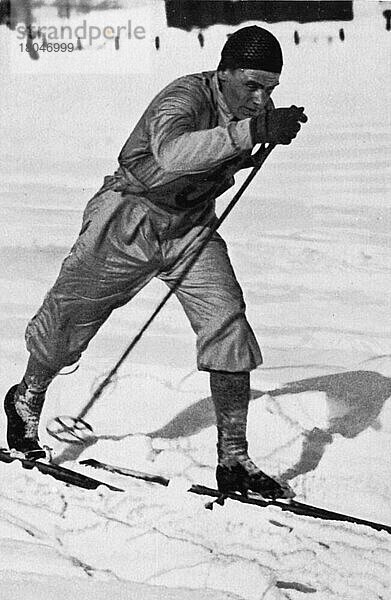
(89, 462)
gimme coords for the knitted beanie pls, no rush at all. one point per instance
(252, 48)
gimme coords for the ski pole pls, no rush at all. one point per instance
(77, 424)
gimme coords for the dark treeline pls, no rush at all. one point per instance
(187, 14)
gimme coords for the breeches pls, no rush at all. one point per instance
(123, 244)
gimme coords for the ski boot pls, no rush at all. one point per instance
(243, 476)
(22, 422)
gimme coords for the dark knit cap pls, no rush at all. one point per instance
(252, 48)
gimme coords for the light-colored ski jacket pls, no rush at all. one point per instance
(186, 147)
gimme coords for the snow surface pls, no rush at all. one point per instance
(310, 243)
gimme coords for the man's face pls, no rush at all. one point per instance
(247, 91)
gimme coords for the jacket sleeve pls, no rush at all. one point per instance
(179, 146)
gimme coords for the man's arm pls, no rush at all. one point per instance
(178, 146)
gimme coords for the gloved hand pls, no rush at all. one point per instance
(278, 126)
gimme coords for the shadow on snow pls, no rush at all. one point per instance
(355, 400)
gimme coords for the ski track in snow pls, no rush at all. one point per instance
(165, 537)
(162, 537)
(313, 257)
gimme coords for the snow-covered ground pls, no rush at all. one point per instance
(310, 243)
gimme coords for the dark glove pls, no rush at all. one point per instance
(278, 126)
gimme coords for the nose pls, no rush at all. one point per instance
(260, 96)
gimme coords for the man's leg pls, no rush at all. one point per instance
(113, 258)
(235, 470)
(213, 302)
(23, 406)
(227, 348)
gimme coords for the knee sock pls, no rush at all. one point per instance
(231, 396)
(30, 395)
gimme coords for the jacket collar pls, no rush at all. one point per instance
(224, 114)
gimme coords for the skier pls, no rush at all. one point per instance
(147, 221)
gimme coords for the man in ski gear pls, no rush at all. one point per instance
(147, 221)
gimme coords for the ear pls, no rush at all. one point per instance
(227, 74)
(223, 75)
